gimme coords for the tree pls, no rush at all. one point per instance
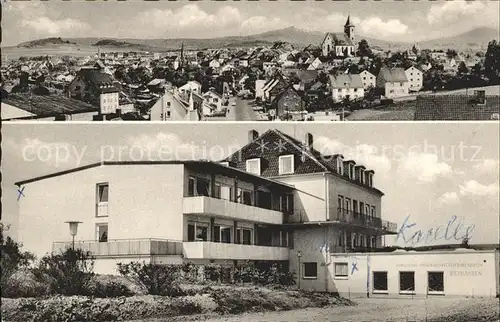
(462, 68)
(12, 259)
(492, 62)
(364, 48)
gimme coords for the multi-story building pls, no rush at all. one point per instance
(415, 79)
(369, 80)
(393, 82)
(346, 87)
(276, 199)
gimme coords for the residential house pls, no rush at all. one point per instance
(273, 87)
(346, 87)
(259, 88)
(315, 64)
(215, 64)
(191, 86)
(213, 99)
(415, 79)
(340, 45)
(177, 106)
(289, 104)
(87, 85)
(475, 107)
(393, 82)
(369, 80)
(267, 66)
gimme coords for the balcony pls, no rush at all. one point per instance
(124, 247)
(359, 219)
(211, 250)
(200, 205)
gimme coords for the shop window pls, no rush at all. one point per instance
(380, 282)
(435, 282)
(407, 282)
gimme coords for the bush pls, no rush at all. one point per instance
(111, 289)
(156, 279)
(68, 273)
(11, 261)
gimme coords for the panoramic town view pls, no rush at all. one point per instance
(266, 161)
(344, 68)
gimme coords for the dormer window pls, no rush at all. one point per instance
(351, 171)
(362, 176)
(340, 166)
(253, 166)
(286, 164)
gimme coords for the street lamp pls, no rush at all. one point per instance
(299, 254)
(73, 229)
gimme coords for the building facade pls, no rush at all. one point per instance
(346, 87)
(340, 45)
(415, 79)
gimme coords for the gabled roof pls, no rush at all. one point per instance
(346, 81)
(455, 108)
(274, 143)
(393, 75)
(339, 39)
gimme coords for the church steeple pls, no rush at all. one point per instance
(349, 29)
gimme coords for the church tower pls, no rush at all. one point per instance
(349, 29)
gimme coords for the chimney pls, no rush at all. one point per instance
(252, 135)
(308, 141)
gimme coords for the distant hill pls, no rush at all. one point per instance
(46, 42)
(477, 38)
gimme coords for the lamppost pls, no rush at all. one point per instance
(299, 254)
(73, 229)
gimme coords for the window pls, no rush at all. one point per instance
(286, 164)
(372, 212)
(435, 282)
(373, 241)
(222, 234)
(347, 204)
(102, 232)
(311, 270)
(244, 236)
(380, 282)
(102, 199)
(168, 104)
(168, 114)
(407, 282)
(362, 176)
(340, 201)
(341, 238)
(253, 166)
(341, 270)
(216, 100)
(202, 187)
(191, 184)
(287, 203)
(244, 196)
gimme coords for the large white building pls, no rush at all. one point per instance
(315, 213)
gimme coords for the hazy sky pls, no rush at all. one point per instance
(428, 171)
(388, 19)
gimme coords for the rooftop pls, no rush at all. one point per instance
(456, 108)
(203, 165)
(47, 105)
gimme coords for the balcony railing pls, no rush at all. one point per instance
(124, 247)
(230, 209)
(226, 251)
(356, 218)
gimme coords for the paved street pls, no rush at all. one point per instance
(242, 111)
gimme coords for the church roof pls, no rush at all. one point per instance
(339, 39)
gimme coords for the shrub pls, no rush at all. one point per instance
(68, 273)
(156, 279)
(111, 289)
(11, 261)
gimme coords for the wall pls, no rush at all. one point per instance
(415, 79)
(338, 186)
(177, 110)
(309, 196)
(310, 242)
(466, 273)
(395, 89)
(108, 102)
(152, 211)
(341, 93)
